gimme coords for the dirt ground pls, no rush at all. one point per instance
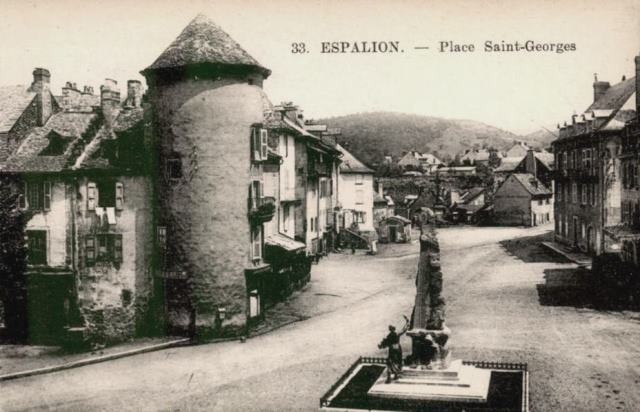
(507, 300)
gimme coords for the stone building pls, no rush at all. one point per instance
(84, 183)
(522, 200)
(627, 233)
(207, 108)
(588, 185)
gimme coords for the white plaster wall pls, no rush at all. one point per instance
(54, 221)
(348, 197)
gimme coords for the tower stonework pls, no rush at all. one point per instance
(204, 106)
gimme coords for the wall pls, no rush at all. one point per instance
(348, 200)
(511, 204)
(543, 212)
(301, 160)
(206, 211)
(113, 298)
(54, 221)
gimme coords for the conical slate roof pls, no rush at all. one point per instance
(201, 42)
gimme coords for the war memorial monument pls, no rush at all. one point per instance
(428, 378)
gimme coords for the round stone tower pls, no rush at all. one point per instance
(205, 95)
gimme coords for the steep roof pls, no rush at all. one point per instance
(615, 96)
(350, 164)
(472, 194)
(13, 102)
(203, 41)
(509, 164)
(546, 158)
(531, 184)
(28, 158)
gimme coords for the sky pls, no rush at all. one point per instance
(85, 41)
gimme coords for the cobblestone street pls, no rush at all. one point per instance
(507, 300)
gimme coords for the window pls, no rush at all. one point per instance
(37, 247)
(540, 202)
(311, 224)
(36, 196)
(173, 167)
(256, 193)
(119, 196)
(104, 247)
(359, 179)
(326, 187)
(565, 160)
(584, 194)
(359, 197)
(285, 218)
(91, 196)
(259, 143)
(559, 192)
(574, 193)
(360, 217)
(586, 158)
(161, 238)
(286, 146)
(90, 250)
(256, 243)
(106, 193)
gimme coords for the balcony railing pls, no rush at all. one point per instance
(263, 209)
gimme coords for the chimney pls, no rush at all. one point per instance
(638, 85)
(40, 85)
(134, 94)
(109, 101)
(70, 95)
(530, 162)
(599, 88)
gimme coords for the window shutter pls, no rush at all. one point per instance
(261, 190)
(117, 248)
(264, 138)
(255, 143)
(46, 187)
(22, 197)
(90, 250)
(119, 196)
(91, 196)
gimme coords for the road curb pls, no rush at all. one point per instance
(97, 359)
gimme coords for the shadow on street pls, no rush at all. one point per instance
(530, 250)
(579, 288)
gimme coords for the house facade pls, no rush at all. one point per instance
(627, 233)
(89, 227)
(522, 200)
(588, 178)
(356, 194)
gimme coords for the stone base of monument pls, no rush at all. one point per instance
(458, 383)
(505, 387)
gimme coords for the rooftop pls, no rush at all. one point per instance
(13, 102)
(202, 42)
(350, 164)
(532, 184)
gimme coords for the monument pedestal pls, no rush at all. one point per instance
(457, 383)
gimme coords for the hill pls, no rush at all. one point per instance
(541, 138)
(371, 136)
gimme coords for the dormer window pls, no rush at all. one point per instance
(57, 144)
